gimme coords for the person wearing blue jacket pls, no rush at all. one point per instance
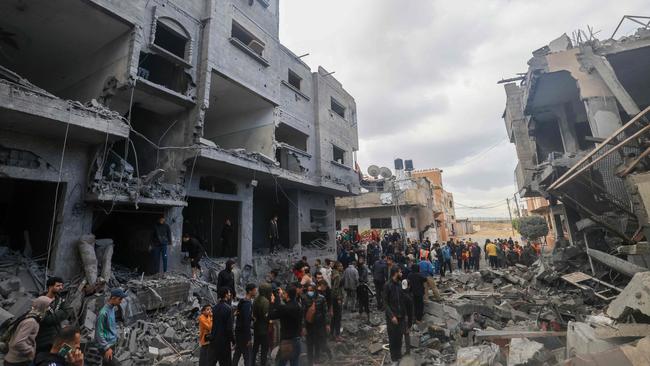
(106, 327)
(446, 260)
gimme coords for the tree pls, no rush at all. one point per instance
(533, 227)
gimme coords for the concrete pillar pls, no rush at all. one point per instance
(245, 249)
(567, 128)
(603, 116)
(295, 212)
(174, 218)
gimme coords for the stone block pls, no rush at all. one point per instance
(523, 351)
(9, 285)
(581, 340)
(635, 298)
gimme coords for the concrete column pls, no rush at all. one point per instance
(295, 212)
(174, 218)
(603, 116)
(567, 128)
(245, 249)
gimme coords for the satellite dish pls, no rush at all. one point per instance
(373, 171)
(385, 172)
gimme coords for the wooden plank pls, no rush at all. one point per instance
(509, 334)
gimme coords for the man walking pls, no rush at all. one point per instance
(22, 343)
(243, 337)
(161, 237)
(379, 276)
(395, 305)
(222, 336)
(106, 334)
(350, 283)
(274, 233)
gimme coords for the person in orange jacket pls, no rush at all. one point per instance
(205, 327)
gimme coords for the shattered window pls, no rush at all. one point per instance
(247, 38)
(338, 155)
(294, 80)
(170, 40)
(337, 107)
(412, 220)
(381, 223)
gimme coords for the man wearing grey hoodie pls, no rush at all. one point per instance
(350, 284)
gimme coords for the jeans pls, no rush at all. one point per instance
(315, 337)
(418, 307)
(261, 345)
(493, 261)
(395, 335)
(336, 318)
(350, 299)
(295, 357)
(379, 289)
(447, 265)
(156, 252)
(243, 350)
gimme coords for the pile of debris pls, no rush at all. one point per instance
(517, 316)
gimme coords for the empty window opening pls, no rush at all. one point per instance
(247, 38)
(318, 217)
(207, 220)
(381, 223)
(294, 80)
(338, 154)
(217, 185)
(337, 107)
(170, 40)
(338, 225)
(291, 136)
(163, 72)
(412, 222)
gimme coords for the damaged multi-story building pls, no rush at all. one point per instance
(412, 202)
(113, 113)
(578, 118)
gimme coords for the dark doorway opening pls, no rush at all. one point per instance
(26, 209)
(205, 220)
(266, 203)
(131, 232)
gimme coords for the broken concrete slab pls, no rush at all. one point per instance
(523, 351)
(582, 340)
(634, 299)
(9, 285)
(483, 355)
(622, 331)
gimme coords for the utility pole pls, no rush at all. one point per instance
(517, 205)
(512, 226)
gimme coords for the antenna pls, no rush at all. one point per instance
(374, 171)
(385, 172)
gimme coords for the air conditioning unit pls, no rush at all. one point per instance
(256, 46)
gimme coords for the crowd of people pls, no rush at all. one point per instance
(307, 308)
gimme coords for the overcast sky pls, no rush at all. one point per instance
(424, 75)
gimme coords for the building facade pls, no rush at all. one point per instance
(445, 216)
(113, 113)
(577, 118)
(389, 205)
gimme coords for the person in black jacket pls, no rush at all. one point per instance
(58, 312)
(396, 312)
(379, 276)
(65, 351)
(227, 239)
(416, 283)
(161, 238)
(222, 335)
(316, 327)
(243, 336)
(290, 316)
(226, 278)
(195, 252)
(273, 234)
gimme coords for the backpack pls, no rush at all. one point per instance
(9, 330)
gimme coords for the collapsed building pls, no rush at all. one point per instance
(412, 202)
(115, 113)
(578, 120)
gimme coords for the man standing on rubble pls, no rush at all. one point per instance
(161, 237)
(491, 252)
(416, 282)
(226, 277)
(227, 238)
(261, 307)
(395, 304)
(274, 234)
(222, 335)
(316, 322)
(243, 337)
(379, 276)
(58, 312)
(106, 335)
(337, 301)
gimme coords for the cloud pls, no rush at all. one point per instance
(424, 75)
